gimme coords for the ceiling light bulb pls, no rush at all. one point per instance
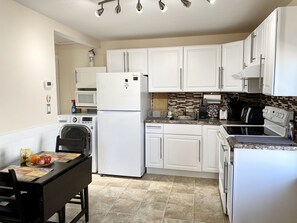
(211, 1)
(139, 7)
(118, 8)
(99, 12)
(186, 3)
(162, 6)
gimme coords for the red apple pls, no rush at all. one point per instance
(47, 159)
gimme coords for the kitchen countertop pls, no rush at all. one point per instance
(282, 145)
(191, 122)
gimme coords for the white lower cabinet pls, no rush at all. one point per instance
(182, 152)
(210, 149)
(154, 150)
(182, 147)
(154, 145)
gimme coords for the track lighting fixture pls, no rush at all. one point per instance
(186, 3)
(211, 1)
(138, 7)
(162, 6)
(99, 12)
(118, 8)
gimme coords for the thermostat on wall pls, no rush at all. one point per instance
(47, 85)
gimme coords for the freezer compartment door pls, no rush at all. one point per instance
(118, 91)
(121, 143)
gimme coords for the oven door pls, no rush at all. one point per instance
(224, 161)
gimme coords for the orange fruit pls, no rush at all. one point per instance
(34, 158)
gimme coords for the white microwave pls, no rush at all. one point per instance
(86, 98)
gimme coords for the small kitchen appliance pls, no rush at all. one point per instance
(203, 110)
(235, 106)
(252, 115)
(223, 113)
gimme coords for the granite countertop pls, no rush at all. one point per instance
(283, 144)
(191, 122)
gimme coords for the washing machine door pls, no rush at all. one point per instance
(78, 132)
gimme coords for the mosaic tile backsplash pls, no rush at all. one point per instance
(178, 102)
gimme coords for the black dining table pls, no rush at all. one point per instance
(55, 189)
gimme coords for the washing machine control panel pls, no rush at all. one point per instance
(87, 120)
(74, 119)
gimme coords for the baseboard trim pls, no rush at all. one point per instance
(182, 173)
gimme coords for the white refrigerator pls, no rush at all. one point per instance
(123, 102)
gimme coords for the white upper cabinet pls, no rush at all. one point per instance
(165, 69)
(201, 68)
(85, 77)
(269, 54)
(232, 63)
(280, 66)
(254, 47)
(127, 60)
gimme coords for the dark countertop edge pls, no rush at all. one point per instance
(234, 144)
(191, 122)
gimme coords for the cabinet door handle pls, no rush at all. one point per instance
(161, 155)
(128, 67)
(124, 62)
(225, 177)
(252, 58)
(219, 78)
(261, 70)
(181, 78)
(222, 73)
(199, 151)
(153, 127)
(76, 77)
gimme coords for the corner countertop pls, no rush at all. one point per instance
(191, 122)
(285, 145)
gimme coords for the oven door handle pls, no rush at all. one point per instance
(220, 136)
(225, 177)
(223, 148)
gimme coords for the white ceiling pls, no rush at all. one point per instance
(225, 16)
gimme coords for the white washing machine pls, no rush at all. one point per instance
(77, 126)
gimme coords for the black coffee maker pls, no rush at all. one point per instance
(203, 110)
(235, 107)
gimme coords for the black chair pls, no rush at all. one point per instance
(74, 146)
(17, 205)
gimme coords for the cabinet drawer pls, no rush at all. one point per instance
(182, 129)
(153, 128)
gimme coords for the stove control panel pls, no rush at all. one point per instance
(277, 115)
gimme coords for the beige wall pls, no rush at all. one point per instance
(164, 42)
(69, 57)
(27, 58)
(293, 3)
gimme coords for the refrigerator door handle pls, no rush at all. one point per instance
(128, 65)
(124, 62)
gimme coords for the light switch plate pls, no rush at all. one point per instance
(48, 108)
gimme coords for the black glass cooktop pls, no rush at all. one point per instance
(249, 130)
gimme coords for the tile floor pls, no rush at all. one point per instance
(154, 198)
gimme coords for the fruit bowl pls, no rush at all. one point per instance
(39, 165)
(40, 161)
